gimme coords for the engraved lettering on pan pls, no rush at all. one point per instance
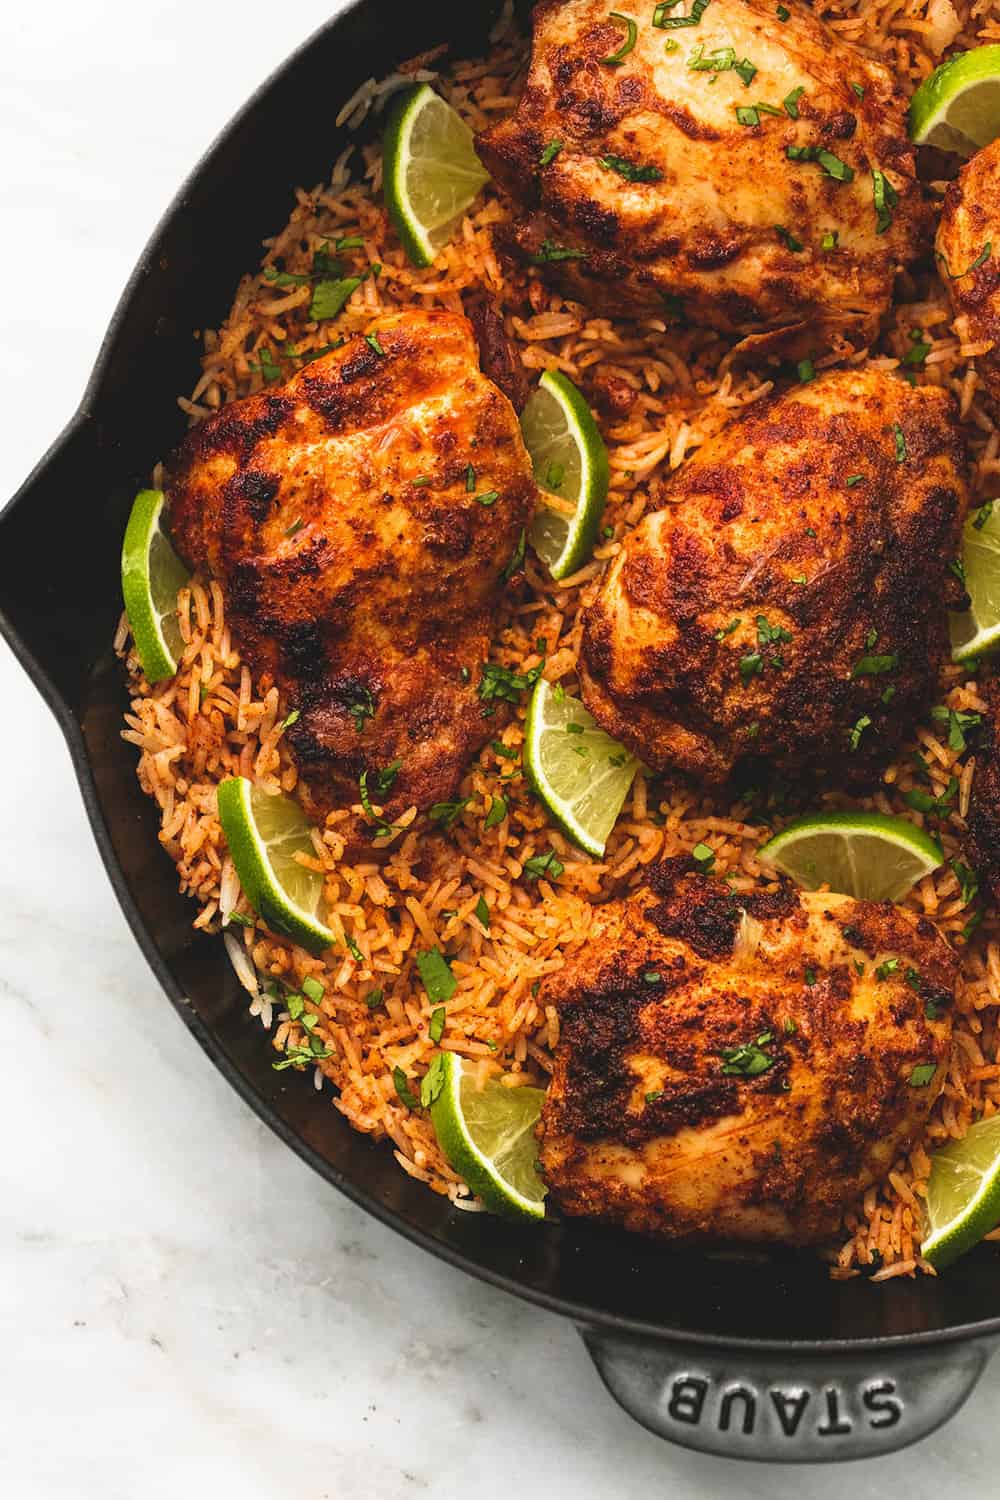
(804, 1412)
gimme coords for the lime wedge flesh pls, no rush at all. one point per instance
(870, 856)
(264, 833)
(958, 107)
(977, 632)
(963, 1194)
(488, 1136)
(570, 461)
(580, 773)
(430, 170)
(152, 574)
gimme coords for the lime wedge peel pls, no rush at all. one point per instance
(963, 1193)
(870, 856)
(958, 107)
(977, 632)
(152, 573)
(569, 460)
(580, 773)
(488, 1136)
(430, 171)
(264, 833)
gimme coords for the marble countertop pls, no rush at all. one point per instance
(185, 1309)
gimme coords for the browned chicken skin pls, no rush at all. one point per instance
(642, 186)
(968, 247)
(724, 1070)
(790, 600)
(343, 513)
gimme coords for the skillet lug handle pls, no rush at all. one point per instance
(782, 1407)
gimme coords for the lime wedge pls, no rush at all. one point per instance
(580, 773)
(866, 855)
(264, 834)
(963, 1194)
(978, 631)
(151, 575)
(958, 107)
(430, 171)
(488, 1135)
(571, 464)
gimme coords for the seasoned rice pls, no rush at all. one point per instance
(421, 889)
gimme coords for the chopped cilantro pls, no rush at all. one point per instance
(631, 33)
(371, 339)
(832, 165)
(918, 350)
(967, 880)
(374, 998)
(549, 153)
(516, 559)
(806, 371)
(885, 197)
(751, 665)
(631, 171)
(330, 297)
(854, 737)
(704, 857)
(957, 724)
(433, 1080)
(549, 251)
(435, 1029)
(543, 864)
(671, 23)
(496, 814)
(900, 442)
(720, 635)
(874, 666)
(749, 1059)
(403, 1089)
(360, 706)
(766, 632)
(438, 980)
(483, 912)
(312, 989)
(447, 813)
(652, 976)
(785, 235)
(790, 103)
(830, 240)
(500, 682)
(980, 260)
(922, 1075)
(886, 970)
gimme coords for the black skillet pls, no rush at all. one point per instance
(748, 1355)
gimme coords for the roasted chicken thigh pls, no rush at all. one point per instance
(741, 1066)
(714, 162)
(968, 248)
(362, 520)
(790, 598)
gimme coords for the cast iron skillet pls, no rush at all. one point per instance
(748, 1355)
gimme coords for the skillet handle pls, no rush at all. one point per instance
(784, 1407)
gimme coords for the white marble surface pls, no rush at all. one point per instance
(184, 1308)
